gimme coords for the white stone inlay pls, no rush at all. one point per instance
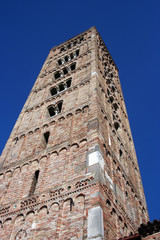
(95, 223)
(95, 157)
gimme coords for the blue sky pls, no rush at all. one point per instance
(131, 31)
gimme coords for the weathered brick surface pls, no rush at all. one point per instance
(93, 119)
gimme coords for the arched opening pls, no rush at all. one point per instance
(46, 136)
(59, 105)
(53, 91)
(68, 83)
(116, 125)
(61, 87)
(51, 111)
(73, 66)
(57, 75)
(34, 182)
(60, 62)
(65, 70)
(66, 58)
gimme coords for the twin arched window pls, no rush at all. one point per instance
(60, 87)
(55, 109)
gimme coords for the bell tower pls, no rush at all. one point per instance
(69, 168)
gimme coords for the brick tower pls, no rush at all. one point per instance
(69, 168)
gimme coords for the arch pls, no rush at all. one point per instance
(59, 106)
(73, 66)
(51, 110)
(45, 126)
(37, 129)
(35, 162)
(53, 91)
(24, 167)
(42, 209)
(54, 206)
(57, 75)
(83, 142)
(8, 174)
(30, 212)
(1, 176)
(19, 218)
(74, 146)
(52, 122)
(61, 119)
(16, 171)
(62, 149)
(69, 115)
(78, 111)
(85, 108)
(116, 125)
(7, 220)
(55, 153)
(80, 195)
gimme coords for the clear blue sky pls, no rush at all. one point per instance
(131, 31)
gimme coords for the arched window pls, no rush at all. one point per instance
(57, 75)
(60, 62)
(53, 91)
(68, 83)
(46, 136)
(61, 87)
(73, 66)
(116, 125)
(34, 182)
(51, 111)
(66, 58)
(65, 70)
(59, 106)
(77, 53)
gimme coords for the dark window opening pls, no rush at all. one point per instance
(57, 75)
(46, 136)
(51, 111)
(65, 70)
(113, 89)
(73, 66)
(68, 83)
(115, 106)
(53, 91)
(69, 46)
(62, 49)
(108, 202)
(60, 62)
(59, 105)
(34, 182)
(66, 58)
(61, 87)
(77, 53)
(111, 99)
(116, 125)
(72, 56)
(120, 153)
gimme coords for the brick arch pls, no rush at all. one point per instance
(42, 209)
(62, 150)
(18, 219)
(82, 142)
(16, 171)
(24, 167)
(55, 153)
(74, 146)
(10, 173)
(6, 221)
